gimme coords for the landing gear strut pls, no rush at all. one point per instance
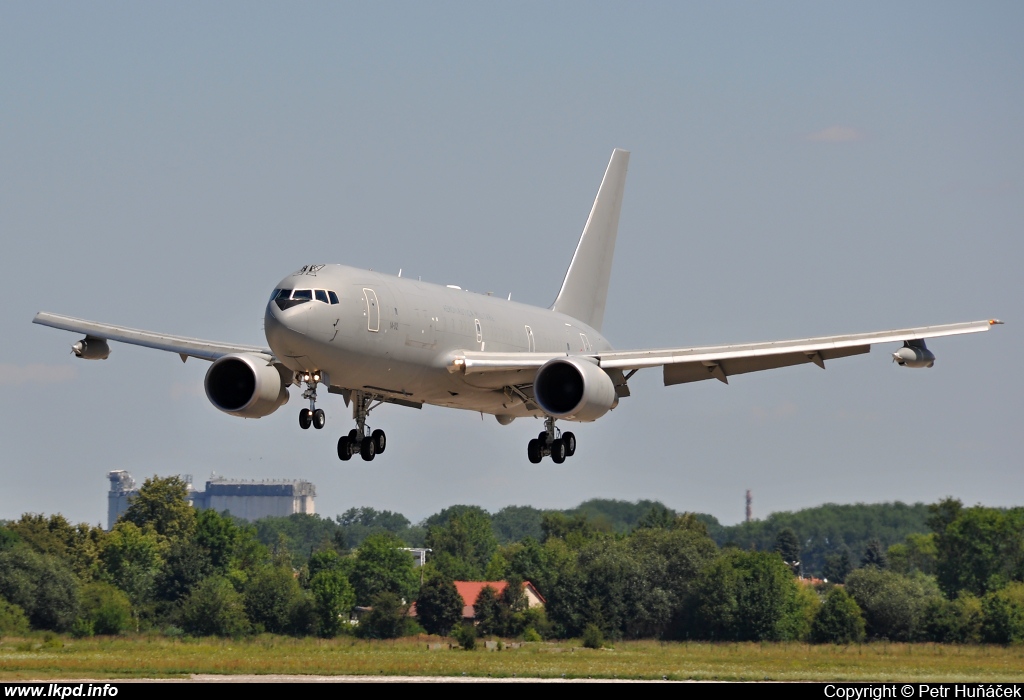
(360, 439)
(552, 442)
(311, 416)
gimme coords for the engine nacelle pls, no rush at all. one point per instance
(89, 348)
(574, 388)
(245, 385)
(914, 353)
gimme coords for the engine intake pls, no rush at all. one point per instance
(245, 385)
(574, 388)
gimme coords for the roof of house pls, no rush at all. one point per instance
(470, 591)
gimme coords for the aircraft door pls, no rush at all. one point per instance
(372, 310)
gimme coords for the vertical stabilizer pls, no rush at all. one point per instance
(585, 288)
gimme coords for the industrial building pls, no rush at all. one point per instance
(249, 500)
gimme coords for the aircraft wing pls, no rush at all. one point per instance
(185, 347)
(681, 365)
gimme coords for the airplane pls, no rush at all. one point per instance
(379, 339)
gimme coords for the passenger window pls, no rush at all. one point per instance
(321, 295)
(303, 295)
(334, 297)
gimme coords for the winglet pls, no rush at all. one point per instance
(585, 288)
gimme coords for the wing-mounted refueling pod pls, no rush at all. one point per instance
(914, 353)
(91, 348)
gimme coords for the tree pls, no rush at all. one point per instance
(333, 600)
(893, 605)
(516, 523)
(747, 596)
(42, 586)
(839, 620)
(132, 560)
(387, 619)
(105, 608)
(214, 608)
(271, 596)
(1003, 612)
(956, 621)
(658, 517)
(465, 535)
(978, 549)
(381, 565)
(837, 566)
(76, 545)
(788, 547)
(874, 555)
(439, 605)
(487, 612)
(162, 505)
(12, 619)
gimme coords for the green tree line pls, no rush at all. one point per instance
(607, 569)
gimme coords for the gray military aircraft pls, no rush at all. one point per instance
(376, 339)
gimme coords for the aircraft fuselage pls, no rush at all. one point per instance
(397, 337)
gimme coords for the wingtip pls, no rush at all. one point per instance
(995, 322)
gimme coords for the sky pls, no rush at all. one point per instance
(797, 169)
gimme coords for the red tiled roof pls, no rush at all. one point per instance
(470, 591)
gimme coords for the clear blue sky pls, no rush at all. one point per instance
(798, 169)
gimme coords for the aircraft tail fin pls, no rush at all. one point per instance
(585, 288)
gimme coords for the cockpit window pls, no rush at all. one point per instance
(302, 295)
(321, 295)
(333, 296)
(281, 294)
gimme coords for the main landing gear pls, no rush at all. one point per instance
(360, 440)
(311, 416)
(551, 442)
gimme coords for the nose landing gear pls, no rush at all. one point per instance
(552, 442)
(311, 416)
(360, 440)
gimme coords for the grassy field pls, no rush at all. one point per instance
(158, 657)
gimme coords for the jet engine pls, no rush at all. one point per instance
(245, 385)
(914, 353)
(89, 348)
(574, 388)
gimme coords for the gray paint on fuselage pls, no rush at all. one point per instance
(421, 328)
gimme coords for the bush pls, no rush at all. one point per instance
(214, 608)
(839, 620)
(592, 637)
(387, 619)
(1003, 611)
(465, 635)
(531, 635)
(12, 619)
(105, 608)
(42, 586)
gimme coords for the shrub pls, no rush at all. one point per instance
(592, 637)
(465, 635)
(839, 620)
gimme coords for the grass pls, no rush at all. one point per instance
(161, 657)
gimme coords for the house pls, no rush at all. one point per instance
(470, 590)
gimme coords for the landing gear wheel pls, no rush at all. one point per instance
(305, 418)
(534, 451)
(543, 438)
(353, 435)
(558, 451)
(380, 440)
(344, 448)
(319, 418)
(570, 444)
(368, 449)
